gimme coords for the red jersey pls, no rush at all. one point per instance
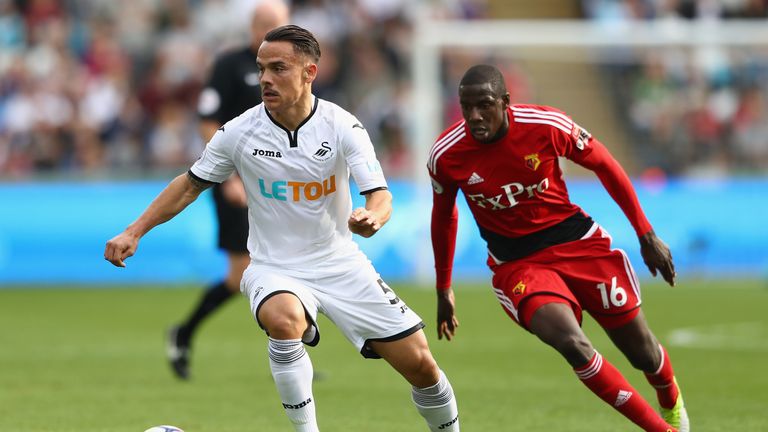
(515, 187)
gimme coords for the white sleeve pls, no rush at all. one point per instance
(360, 156)
(216, 163)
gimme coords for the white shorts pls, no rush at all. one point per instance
(357, 300)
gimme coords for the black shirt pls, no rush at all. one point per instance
(233, 87)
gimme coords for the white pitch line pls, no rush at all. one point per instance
(745, 336)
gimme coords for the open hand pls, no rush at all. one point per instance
(446, 319)
(657, 257)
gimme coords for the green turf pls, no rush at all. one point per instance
(82, 360)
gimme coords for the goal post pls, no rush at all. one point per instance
(431, 37)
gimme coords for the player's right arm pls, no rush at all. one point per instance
(443, 228)
(214, 166)
(179, 193)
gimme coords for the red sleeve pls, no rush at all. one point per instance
(445, 221)
(616, 182)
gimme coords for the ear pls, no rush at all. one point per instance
(309, 73)
(505, 98)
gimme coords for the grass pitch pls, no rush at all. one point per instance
(88, 360)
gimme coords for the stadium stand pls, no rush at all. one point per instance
(699, 111)
(89, 87)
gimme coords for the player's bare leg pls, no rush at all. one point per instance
(431, 392)
(644, 352)
(284, 319)
(556, 325)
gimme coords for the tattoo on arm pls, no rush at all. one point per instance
(197, 183)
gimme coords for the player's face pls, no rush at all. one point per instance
(484, 111)
(285, 75)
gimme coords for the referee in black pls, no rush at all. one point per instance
(232, 89)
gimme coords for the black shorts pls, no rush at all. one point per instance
(233, 223)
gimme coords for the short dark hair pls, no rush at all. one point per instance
(485, 74)
(302, 40)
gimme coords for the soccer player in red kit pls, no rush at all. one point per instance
(550, 260)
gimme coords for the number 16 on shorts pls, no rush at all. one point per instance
(614, 295)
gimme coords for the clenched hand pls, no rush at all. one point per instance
(120, 247)
(363, 222)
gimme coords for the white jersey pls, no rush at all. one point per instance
(297, 183)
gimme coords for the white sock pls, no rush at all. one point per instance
(438, 406)
(292, 372)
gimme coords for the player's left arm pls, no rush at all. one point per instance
(596, 157)
(366, 221)
(357, 150)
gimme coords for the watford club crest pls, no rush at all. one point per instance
(532, 161)
(519, 289)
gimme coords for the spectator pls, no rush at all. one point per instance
(698, 110)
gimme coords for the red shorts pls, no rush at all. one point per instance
(586, 273)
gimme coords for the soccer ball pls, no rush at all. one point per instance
(164, 428)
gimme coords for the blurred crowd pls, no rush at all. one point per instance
(95, 87)
(699, 110)
(674, 9)
(89, 87)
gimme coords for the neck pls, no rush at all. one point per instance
(503, 129)
(504, 126)
(292, 116)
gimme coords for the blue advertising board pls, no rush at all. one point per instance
(54, 233)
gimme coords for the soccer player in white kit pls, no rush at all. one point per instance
(294, 153)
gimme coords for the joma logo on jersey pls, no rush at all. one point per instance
(508, 198)
(287, 190)
(267, 153)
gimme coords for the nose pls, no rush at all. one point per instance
(474, 115)
(264, 78)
